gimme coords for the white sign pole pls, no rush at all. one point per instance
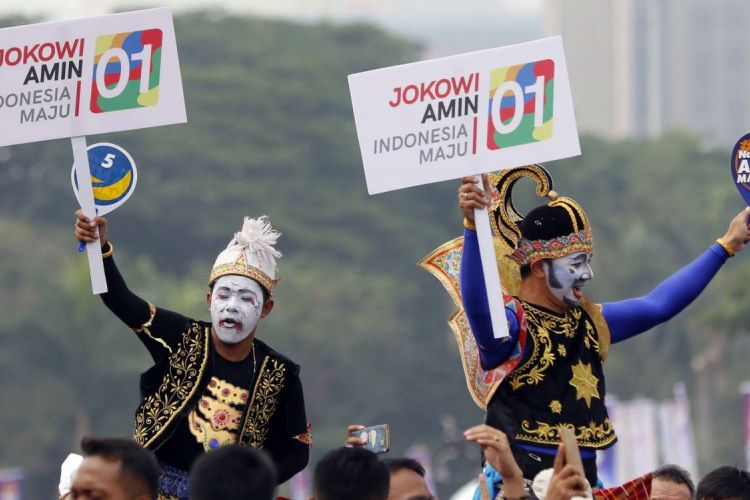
(86, 199)
(489, 268)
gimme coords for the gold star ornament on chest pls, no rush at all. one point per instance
(584, 382)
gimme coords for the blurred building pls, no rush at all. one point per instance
(295, 9)
(639, 68)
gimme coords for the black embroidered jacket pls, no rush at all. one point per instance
(559, 384)
(186, 374)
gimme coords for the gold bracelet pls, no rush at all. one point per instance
(725, 247)
(469, 225)
(108, 252)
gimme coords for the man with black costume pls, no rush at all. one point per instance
(548, 373)
(213, 383)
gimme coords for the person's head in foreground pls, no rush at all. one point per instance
(725, 483)
(242, 281)
(552, 244)
(407, 480)
(115, 469)
(233, 472)
(351, 473)
(671, 482)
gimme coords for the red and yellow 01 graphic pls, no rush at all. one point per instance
(521, 104)
(126, 71)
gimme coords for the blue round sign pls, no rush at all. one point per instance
(113, 176)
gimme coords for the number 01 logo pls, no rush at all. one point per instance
(521, 104)
(126, 71)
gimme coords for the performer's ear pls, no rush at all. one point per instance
(208, 299)
(267, 306)
(537, 268)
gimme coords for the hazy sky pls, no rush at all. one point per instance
(447, 26)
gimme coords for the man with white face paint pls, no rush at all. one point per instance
(548, 373)
(236, 306)
(214, 383)
(566, 275)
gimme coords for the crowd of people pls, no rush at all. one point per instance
(222, 414)
(120, 469)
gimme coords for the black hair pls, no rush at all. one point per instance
(349, 473)
(397, 464)
(525, 270)
(138, 466)
(675, 474)
(233, 472)
(725, 483)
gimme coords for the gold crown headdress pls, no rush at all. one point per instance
(549, 231)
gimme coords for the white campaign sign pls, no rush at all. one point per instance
(462, 115)
(89, 76)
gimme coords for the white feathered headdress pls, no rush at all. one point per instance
(250, 253)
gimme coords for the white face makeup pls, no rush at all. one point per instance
(236, 304)
(566, 276)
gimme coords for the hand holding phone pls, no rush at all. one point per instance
(572, 453)
(376, 438)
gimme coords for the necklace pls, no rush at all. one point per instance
(255, 364)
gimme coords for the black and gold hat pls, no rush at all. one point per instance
(550, 231)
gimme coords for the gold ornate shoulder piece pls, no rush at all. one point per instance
(445, 264)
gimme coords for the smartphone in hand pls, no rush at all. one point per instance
(378, 438)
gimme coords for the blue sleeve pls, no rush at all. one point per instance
(630, 317)
(492, 351)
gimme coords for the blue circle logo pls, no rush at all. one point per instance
(113, 176)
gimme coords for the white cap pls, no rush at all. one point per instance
(68, 471)
(250, 253)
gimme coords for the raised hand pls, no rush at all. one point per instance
(738, 233)
(351, 440)
(496, 449)
(470, 196)
(567, 480)
(85, 229)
